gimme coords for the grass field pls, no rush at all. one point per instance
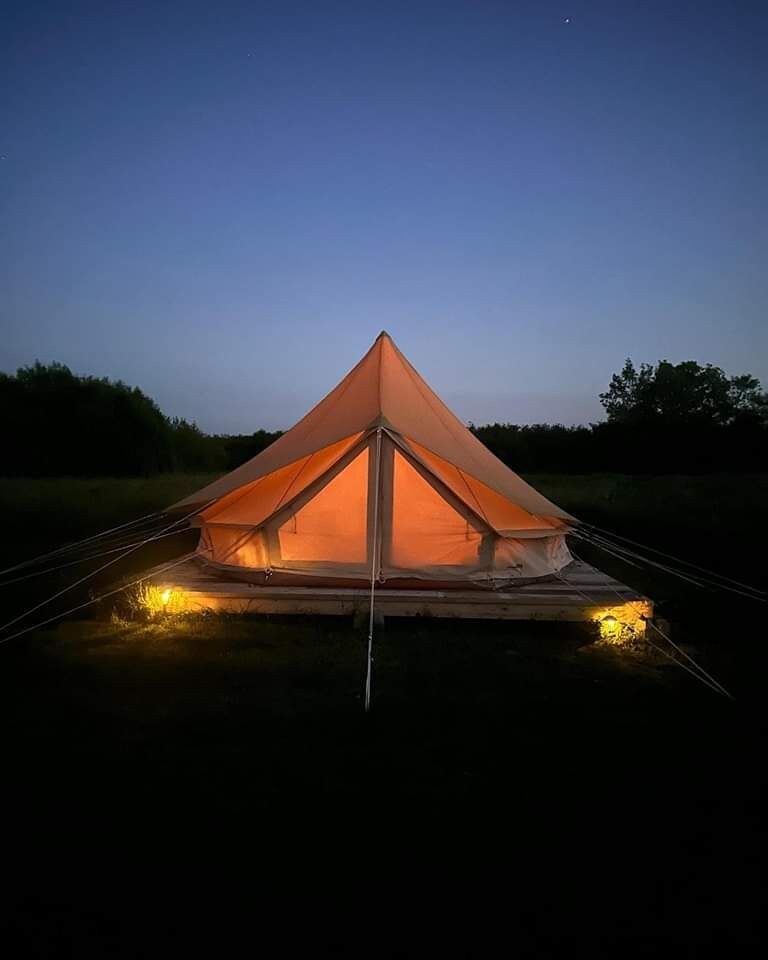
(215, 781)
(45, 512)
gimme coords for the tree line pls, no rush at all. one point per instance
(662, 418)
(55, 423)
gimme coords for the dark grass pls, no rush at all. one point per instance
(609, 795)
(215, 784)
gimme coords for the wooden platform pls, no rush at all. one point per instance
(583, 593)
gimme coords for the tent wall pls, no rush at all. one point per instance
(256, 501)
(383, 390)
(499, 512)
(316, 519)
(332, 527)
(427, 532)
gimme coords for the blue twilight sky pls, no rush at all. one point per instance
(224, 203)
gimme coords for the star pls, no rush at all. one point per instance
(566, 19)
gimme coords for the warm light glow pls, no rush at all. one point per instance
(162, 600)
(622, 624)
(610, 629)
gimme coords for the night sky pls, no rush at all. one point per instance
(224, 203)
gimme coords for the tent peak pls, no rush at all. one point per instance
(383, 390)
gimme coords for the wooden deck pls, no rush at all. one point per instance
(583, 593)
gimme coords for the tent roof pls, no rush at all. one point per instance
(383, 389)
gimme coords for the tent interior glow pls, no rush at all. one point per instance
(381, 480)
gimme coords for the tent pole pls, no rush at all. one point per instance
(374, 557)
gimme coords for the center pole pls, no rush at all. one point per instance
(374, 559)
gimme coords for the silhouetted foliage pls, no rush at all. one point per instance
(671, 418)
(195, 451)
(238, 449)
(637, 448)
(56, 423)
(683, 394)
(540, 446)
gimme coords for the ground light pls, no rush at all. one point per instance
(158, 601)
(622, 624)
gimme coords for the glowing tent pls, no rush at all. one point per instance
(380, 481)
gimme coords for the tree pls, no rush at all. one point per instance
(55, 423)
(243, 447)
(683, 393)
(194, 450)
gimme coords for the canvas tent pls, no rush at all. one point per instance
(380, 481)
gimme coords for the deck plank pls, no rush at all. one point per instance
(582, 594)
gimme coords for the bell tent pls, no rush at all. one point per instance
(379, 482)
